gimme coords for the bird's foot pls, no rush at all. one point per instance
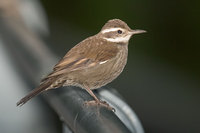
(99, 103)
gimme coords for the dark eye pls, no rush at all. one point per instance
(119, 32)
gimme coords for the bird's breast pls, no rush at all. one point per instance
(106, 71)
(118, 64)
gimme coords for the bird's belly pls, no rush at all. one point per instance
(104, 73)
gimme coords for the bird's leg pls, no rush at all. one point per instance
(92, 94)
(97, 101)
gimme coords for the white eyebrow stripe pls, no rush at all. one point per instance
(111, 29)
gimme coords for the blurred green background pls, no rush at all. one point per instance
(160, 82)
(161, 79)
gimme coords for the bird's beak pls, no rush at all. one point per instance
(133, 32)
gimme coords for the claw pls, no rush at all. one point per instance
(101, 103)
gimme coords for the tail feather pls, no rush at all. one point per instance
(34, 93)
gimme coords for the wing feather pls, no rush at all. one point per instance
(86, 54)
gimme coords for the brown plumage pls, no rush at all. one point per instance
(92, 63)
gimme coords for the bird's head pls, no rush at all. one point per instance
(118, 31)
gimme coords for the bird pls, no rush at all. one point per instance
(92, 63)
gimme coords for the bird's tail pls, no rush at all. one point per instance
(34, 92)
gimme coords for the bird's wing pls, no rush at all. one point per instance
(86, 54)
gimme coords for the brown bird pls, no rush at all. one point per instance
(91, 64)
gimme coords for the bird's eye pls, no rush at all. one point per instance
(119, 32)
